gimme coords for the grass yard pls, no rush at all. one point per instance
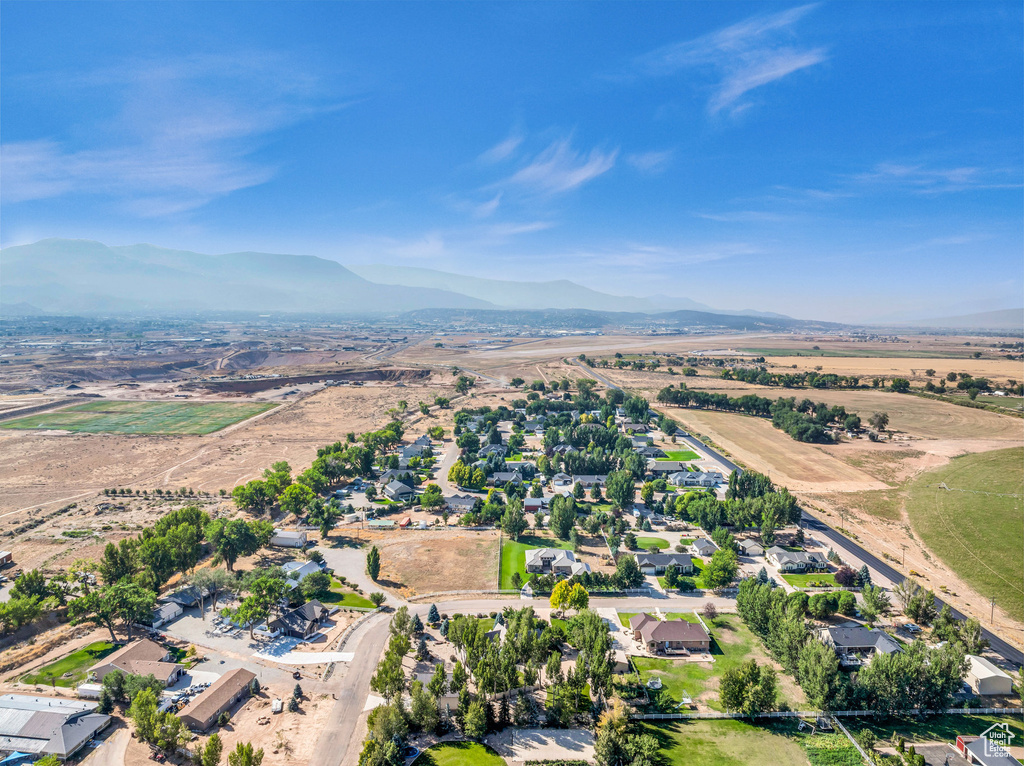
(650, 542)
(680, 456)
(732, 643)
(513, 556)
(824, 579)
(143, 417)
(724, 743)
(697, 576)
(459, 754)
(75, 664)
(935, 728)
(688, 616)
(344, 597)
(974, 526)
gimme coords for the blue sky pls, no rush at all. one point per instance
(841, 161)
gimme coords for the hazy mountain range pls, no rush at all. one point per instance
(64, 276)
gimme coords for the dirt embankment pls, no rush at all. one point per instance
(389, 375)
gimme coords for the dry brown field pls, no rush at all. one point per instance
(439, 561)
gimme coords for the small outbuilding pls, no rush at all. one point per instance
(986, 679)
(202, 712)
(288, 538)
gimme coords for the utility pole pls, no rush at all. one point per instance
(992, 612)
(903, 559)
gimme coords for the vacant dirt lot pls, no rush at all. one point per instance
(431, 562)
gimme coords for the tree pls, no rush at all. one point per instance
(254, 496)
(432, 499)
(710, 611)
(433, 616)
(875, 602)
(863, 576)
(264, 593)
(376, 598)
(316, 585)
(560, 594)
(513, 522)
(373, 563)
(627, 573)
(236, 538)
(245, 755)
(296, 498)
(325, 516)
(563, 516)
(748, 688)
(879, 420)
(818, 674)
(475, 724)
(209, 755)
(620, 488)
(423, 711)
(389, 680)
(721, 569)
(143, 713)
(579, 599)
(125, 601)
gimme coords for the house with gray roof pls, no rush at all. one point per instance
(856, 644)
(501, 478)
(492, 449)
(589, 481)
(657, 563)
(695, 478)
(462, 503)
(398, 491)
(795, 561)
(703, 547)
(554, 561)
(43, 726)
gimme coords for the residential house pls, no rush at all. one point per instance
(187, 597)
(202, 712)
(750, 547)
(637, 428)
(301, 622)
(288, 538)
(665, 467)
(657, 563)
(669, 636)
(561, 480)
(403, 475)
(648, 452)
(986, 751)
(501, 478)
(534, 426)
(535, 504)
(695, 478)
(42, 726)
(562, 449)
(554, 561)
(422, 441)
(297, 571)
(589, 481)
(398, 491)
(856, 644)
(462, 503)
(409, 451)
(703, 547)
(141, 658)
(795, 561)
(985, 679)
(162, 614)
(492, 449)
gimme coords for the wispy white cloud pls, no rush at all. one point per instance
(180, 134)
(744, 56)
(560, 168)
(502, 150)
(651, 162)
(937, 180)
(746, 216)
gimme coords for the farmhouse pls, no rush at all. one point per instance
(669, 636)
(795, 561)
(396, 490)
(554, 561)
(200, 713)
(986, 679)
(139, 658)
(462, 503)
(43, 726)
(854, 645)
(751, 548)
(703, 547)
(301, 622)
(657, 563)
(288, 538)
(590, 481)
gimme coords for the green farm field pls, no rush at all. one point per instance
(680, 456)
(974, 525)
(177, 418)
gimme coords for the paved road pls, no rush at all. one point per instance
(595, 375)
(695, 442)
(1005, 650)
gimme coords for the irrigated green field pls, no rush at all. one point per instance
(513, 556)
(974, 526)
(143, 417)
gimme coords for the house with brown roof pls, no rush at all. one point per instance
(202, 712)
(669, 636)
(141, 658)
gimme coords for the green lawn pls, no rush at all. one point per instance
(732, 643)
(974, 526)
(680, 456)
(143, 417)
(459, 754)
(624, 617)
(724, 743)
(345, 597)
(76, 663)
(698, 574)
(940, 727)
(650, 542)
(827, 579)
(513, 556)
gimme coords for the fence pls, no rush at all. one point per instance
(840, 713)
(443, 594)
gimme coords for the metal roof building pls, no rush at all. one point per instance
(47, 725)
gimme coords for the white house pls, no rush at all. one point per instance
(288, 538)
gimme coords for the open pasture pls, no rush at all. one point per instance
(118, 417)
(973, 522)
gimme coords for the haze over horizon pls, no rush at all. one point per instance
(843, 162)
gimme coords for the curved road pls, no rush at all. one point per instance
(1004, 649)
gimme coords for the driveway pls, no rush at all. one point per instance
(282, 650)
(111, 751)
